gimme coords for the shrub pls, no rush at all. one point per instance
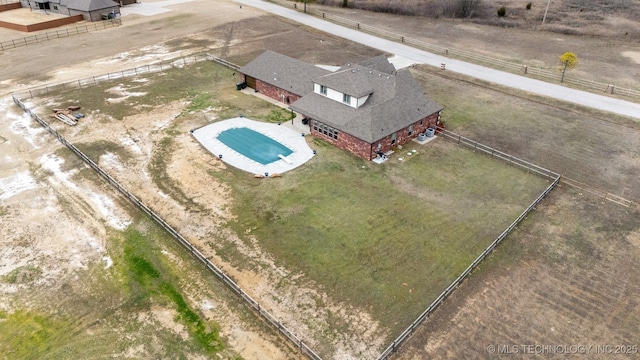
(502, 11)
(529, 6)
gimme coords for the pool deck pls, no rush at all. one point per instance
(286, 135)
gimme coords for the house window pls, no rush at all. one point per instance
(421, 121)
(335, 134)
(410, 129)
(323, 90)
(346, 99)
(55, 7)
(315, 125)
(324, 129)
(393, 138)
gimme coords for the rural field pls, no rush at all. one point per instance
(344, 252)
(357, 263)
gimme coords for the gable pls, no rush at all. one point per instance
(396, 102)
(284, 72)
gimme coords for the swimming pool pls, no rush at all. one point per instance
(254, 145)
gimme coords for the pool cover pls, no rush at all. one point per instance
(254, 145)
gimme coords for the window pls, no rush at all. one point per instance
(323, 90)
(410, 129)
(346, 99)
(321, 128)
(393, 138)
(55, 7)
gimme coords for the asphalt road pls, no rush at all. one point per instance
(579, 97)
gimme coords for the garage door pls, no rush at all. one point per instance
(251, 81)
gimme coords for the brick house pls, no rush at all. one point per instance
(365, 108)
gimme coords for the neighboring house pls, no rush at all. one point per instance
(91, 10)
(366, 108)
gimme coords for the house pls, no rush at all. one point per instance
(367, 107)
(91, 10)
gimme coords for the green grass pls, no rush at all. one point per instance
(583, 144)
(385, 238)
(97, 314)
(21, 275)
(148, 281)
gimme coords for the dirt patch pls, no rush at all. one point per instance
(633, 55)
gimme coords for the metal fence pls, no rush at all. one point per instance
(230, 283)
(62, 33)
(473, 57)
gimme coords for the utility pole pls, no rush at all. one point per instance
(545, 12)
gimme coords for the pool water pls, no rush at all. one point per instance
(254, 145)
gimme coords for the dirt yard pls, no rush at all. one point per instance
(573, 261)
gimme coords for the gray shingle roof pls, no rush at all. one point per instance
(396, 102)
(284, 72)
(379, 63)
(91, 5)
(350, 81)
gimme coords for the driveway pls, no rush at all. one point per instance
(538, 87)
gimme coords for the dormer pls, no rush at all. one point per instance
(349, 86)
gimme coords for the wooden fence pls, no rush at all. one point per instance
(470, 56)
(305, 349)
(62, 33)
(230, 283)
(512, 160)
(152, 68)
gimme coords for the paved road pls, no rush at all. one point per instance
(584, 98)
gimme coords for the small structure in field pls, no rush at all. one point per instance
(91, 10)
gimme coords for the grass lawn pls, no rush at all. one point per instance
(385, 238)
(100, 313)
(388, 238)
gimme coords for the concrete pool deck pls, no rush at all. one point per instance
(208, 137)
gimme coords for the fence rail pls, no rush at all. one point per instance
(228, 281)
(600, 193)
(454, 285)
(473, 57)
(61, 33)
(146, 69)
(255, 305)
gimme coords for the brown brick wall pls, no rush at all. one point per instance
(275, 92)
(368, 151)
